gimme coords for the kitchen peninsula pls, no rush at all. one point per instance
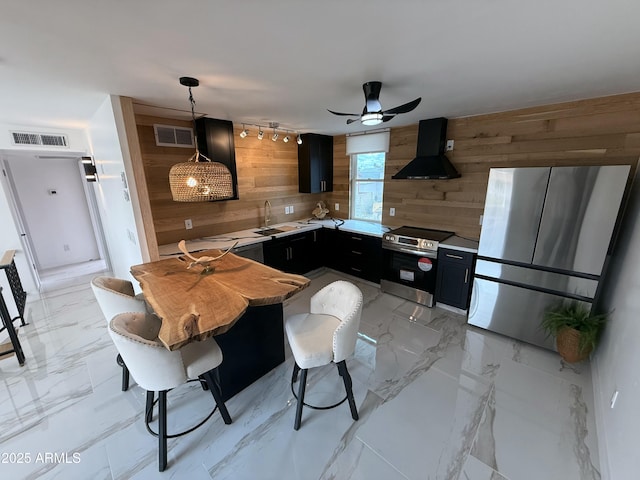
(237, 300)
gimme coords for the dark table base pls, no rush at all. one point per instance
(251, 348)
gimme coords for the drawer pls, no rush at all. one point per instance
(449, 255)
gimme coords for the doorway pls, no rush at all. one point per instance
(56, 215)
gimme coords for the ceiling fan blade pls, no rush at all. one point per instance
(407, 107)
(386, 118)
(372, 96)
(343, 114)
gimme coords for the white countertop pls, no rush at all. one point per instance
(250, 237)
(461, 244)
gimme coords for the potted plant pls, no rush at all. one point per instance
(575, 329)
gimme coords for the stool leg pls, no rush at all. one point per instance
(212, 379)
(125, 373)
(301, 388)
(162, 430)
(296, 369)
(346, 378)
(148, 411)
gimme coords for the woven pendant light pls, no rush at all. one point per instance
(199, 179)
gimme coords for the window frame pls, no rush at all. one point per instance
(353, 182)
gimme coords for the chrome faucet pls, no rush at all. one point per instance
(267, 213)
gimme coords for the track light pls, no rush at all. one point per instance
(277, 132)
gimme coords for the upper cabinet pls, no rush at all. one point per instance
(315, 163)
(215, 140)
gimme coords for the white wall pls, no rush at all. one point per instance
(116, 210)
(9, 235)
(59, 225)
(616, 363)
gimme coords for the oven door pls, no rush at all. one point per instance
(409, 275)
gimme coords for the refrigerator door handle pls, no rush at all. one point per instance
(536, 288)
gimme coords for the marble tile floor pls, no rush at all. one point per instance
(437, 400)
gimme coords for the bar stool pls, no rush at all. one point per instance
(156, 369)
(326, 334)
(115, 296)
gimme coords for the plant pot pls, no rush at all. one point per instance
(568, 344)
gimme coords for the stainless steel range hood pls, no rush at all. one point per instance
(430, 161)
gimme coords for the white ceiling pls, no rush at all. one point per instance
(287, 61)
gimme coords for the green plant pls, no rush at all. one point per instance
(577, 316)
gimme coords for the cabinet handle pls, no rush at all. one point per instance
(356, 238)
(356, 252)
(355, 269)
(454, 256)
(466, 275)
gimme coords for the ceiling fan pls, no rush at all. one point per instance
(373, 113)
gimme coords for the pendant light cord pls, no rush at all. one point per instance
(193, 118)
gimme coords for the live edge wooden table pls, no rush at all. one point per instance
(240, 303)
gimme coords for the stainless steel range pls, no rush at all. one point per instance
(410, 259)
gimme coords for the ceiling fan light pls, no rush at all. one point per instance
(374, 118)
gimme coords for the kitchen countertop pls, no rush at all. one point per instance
(459, 243)
(250, 237)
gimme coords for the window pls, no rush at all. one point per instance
(367, 184)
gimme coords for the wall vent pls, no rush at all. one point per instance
(46, 139)
(170, 136)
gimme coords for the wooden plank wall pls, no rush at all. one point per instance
(602, 131)
(267, 170)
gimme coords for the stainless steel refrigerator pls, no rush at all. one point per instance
(545, 237)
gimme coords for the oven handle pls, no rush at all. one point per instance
(411, 252)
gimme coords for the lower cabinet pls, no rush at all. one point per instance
(353, 253)
(298, 253)
(454, 277)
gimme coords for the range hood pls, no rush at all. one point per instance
(430, 161)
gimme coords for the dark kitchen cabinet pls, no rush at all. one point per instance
(315, 163)
(454, 277)
(294, 253)
(215, 141)
(353, 253)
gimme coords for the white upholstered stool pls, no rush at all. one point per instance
(156, 369)
(326, 334)
(115, 296)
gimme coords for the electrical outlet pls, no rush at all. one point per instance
(392, 212)
(337, 207)
(188, 224)
(290, 208)
(450, 145)
(286, 210)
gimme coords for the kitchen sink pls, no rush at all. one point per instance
(273, 231)
(269, 231)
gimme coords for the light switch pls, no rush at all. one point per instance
(337, 207)
(392, 212)
(188, 224)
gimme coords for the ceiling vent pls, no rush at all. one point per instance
(44, 139)
(170, 136)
